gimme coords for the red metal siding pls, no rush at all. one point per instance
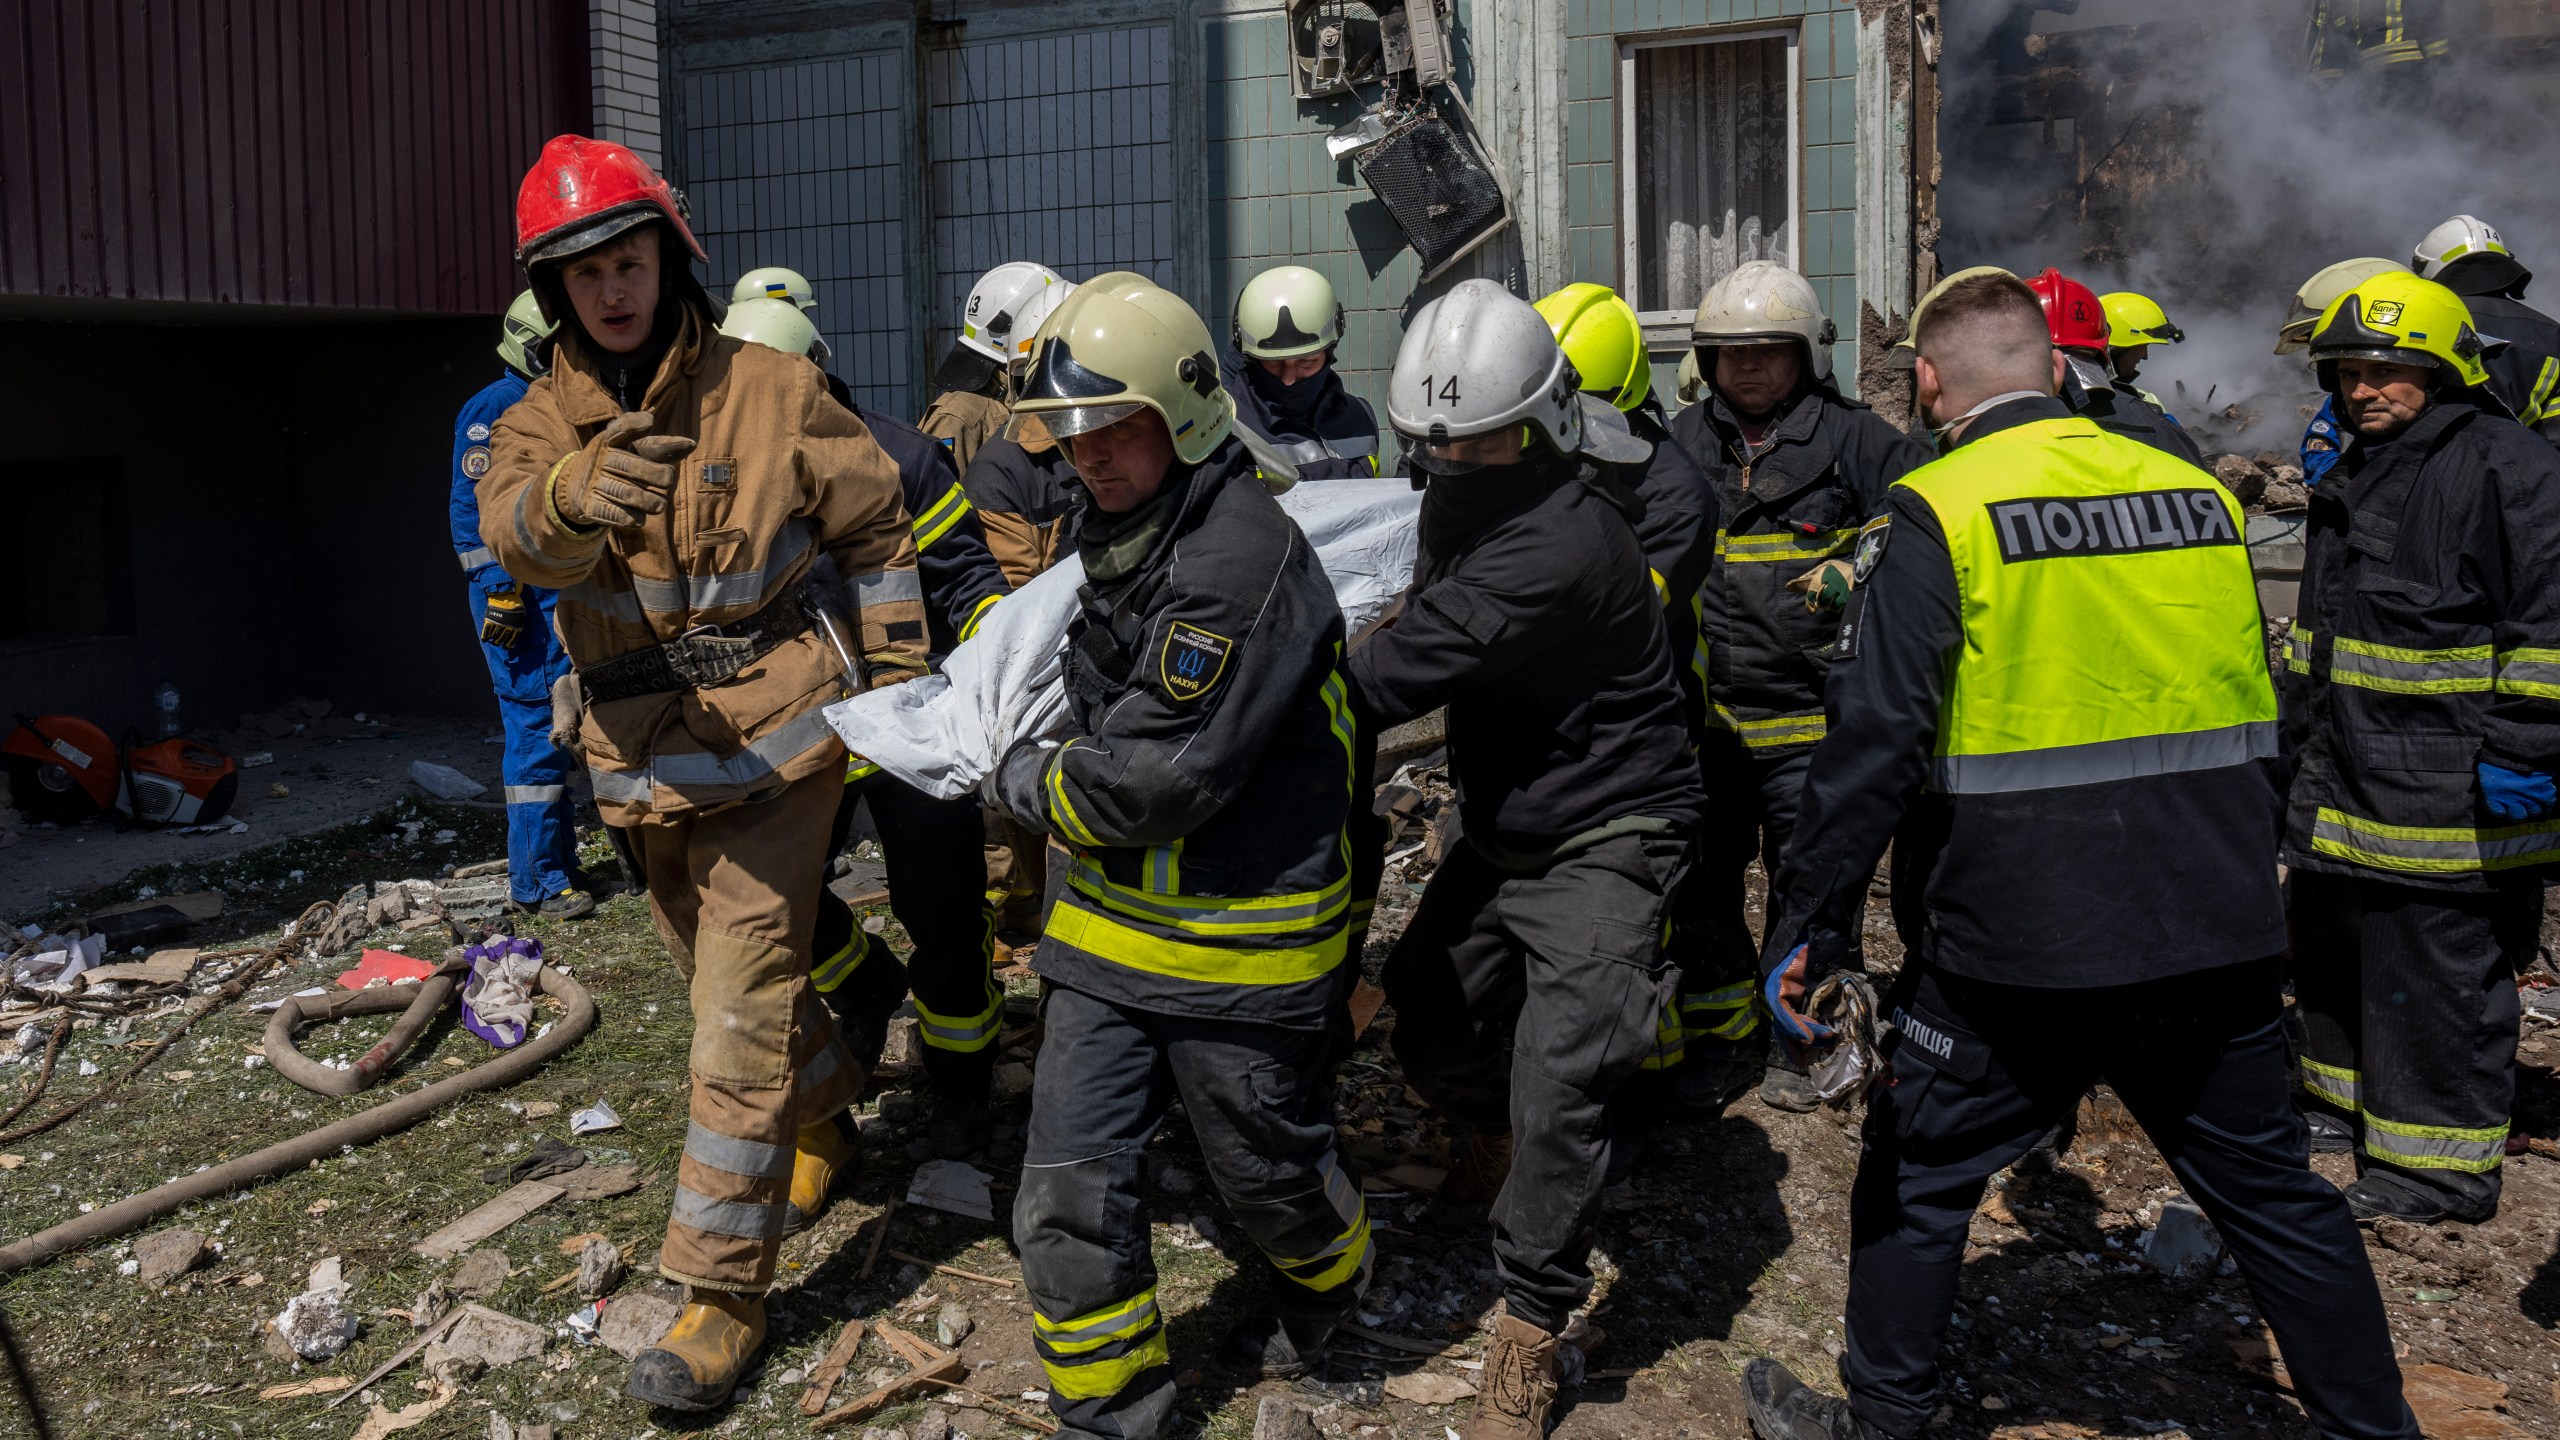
(346, 153)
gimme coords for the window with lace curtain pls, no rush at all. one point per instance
(1707, 176)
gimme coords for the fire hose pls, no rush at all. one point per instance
(419, 1008)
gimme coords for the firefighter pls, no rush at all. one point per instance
(2467, 257)
(1279, 370)
(974, 377)
(1197, 950)
(774, 282)
(1532, 980)
(2135, 323)
(1798, 469)
(684, 536)
(932, 848)
(2057, 629)
(523, 651)
(2324, 439)
(2423, 712)
(2078, 323)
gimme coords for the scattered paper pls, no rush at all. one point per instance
(390, 1422)
(301, 1389)
(263, 1006)
(444, 782)
(953, 1186)
(599, 1116)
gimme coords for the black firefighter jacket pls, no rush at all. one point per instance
(2428, 640)
(2095, 396)
(1531, 617)
(2526, 373)
(1205, 789)
(1677, 530)
(1324, 430)
(1821, 473)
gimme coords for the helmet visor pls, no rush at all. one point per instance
(1056, 374)
(1449, 456)
(1071, 419)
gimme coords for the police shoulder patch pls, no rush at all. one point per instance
(475, 461)
(1871, 540)
(477, 431)
(1193, 660)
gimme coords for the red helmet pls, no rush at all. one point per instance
(2071, 311)
(584, 192)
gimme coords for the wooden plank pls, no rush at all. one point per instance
(822, 1381)
(951, 1368)
(488, 1220)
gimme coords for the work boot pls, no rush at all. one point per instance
(1483, 1164)
(1789, 1090)
(2385, 1195)
(570, 904)
(699, 1362)
(961, 1125)
(2329, 1134)
(1781, 1408)
(824, 1159)
(1717, 1075)
(1277, 1346)
(1519, 1383)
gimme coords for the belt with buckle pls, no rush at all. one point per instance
(704, 656)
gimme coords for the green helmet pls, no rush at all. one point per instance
(1285, 313)
(777, 323)
(523, 335)
(1120, 342)
(774, 283)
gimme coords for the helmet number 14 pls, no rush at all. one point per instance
(1447, 393)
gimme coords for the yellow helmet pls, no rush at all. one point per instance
(1120, 342)
(2322, 291)
(1600, 334)
(2135, 319)
(2402, 319)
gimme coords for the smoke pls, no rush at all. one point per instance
(2195, 157)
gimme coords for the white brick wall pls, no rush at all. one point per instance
(622, 40)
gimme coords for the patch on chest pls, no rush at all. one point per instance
(1193, 660)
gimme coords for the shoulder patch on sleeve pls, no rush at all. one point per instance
(1871, 540)
(1193, 660)
(478, 431)
(475, 461)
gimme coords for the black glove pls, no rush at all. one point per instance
(1018, 785)
(502, 618)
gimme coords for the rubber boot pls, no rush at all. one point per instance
(1719, 1072)
(1787, 1087)
(1277, 1346)
(1519, 1383)
(699, 1361)
(1781, 1408)
(1483, 1163)
(824, 1160)
(961, 1126)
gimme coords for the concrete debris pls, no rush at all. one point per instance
(1277, 1419)
(953, 1186)
(444, 782)
(500, 1428)
(2245, 478)
(2183, 1244)
(314, 1325)
(1427, 1387)
(599, 1269)
(952, 1326)
(933, 1424)
(2454, 1405)
(431, 1303)
(164, 1255)
(482, 1272)
(1012, 1081)
(634, 1322)
(481, 1340)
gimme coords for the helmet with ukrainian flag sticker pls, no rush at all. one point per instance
(1119, 344)
(2399, 318)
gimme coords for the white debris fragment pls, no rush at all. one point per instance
(599, 1116)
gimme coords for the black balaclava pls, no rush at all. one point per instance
(1455, 507)
(1114, 546)
(1288, 402)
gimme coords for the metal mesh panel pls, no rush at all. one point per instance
(1436, 186)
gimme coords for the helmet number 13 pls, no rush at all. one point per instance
(1446, 392)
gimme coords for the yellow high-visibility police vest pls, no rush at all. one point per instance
(2111, 624)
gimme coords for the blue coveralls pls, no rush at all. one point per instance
(542, 834)
(2323, 441)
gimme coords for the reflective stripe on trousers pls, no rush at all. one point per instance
(2435, 1147)
(1729, 1013)
(1096, 1354)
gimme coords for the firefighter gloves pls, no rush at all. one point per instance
(629, 480)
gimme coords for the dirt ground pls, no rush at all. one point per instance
(1735, 1245)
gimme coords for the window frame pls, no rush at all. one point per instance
(1630, 229)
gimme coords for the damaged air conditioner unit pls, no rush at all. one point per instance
(1444, 189)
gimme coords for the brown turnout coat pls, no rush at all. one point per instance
(779, 474)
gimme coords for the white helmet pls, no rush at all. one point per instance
(991, 322)
(1480, 359)
(2462, 235)
(774, 283)
(777, 323)
(1035, 318)
(1761, 301)
(1286, 312)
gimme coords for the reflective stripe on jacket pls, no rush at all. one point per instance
(2428, 642)
(1335, 438)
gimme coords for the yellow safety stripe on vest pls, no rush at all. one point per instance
(2435, 1147)
(1099, 934)
(1160, 867)
(1209, 915)
(2340, 1087)
(2131, 758)
(2403, 671)
(936, 522)
(2431, 849)
(1061, 809)
(1768, 732)
(1782, 545)
(2538, 406)
(1661, 587)
(2529, 670)
(962, 1034)
(2297, 650)
(969, 627)
(839, 967)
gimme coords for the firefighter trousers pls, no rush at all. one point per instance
(1523, 1001)
(731, 894)
(2409, 1017)
(1260, 1100)
(932, 850)
(1979, 1072)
